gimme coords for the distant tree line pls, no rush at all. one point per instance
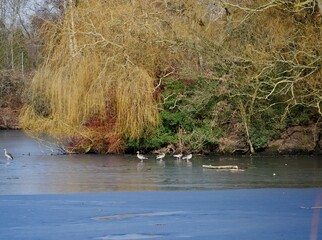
(21, 45)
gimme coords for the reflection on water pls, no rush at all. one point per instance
(35, 171)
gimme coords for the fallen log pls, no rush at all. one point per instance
(223, 167)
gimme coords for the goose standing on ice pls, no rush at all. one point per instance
(8, 155)
(188, 157)
(140, 156)
(161, 156)
(178, 156)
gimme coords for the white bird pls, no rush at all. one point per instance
(8, 155)
(178, 156)
(161, 156)
(140, 156)
(188, 157)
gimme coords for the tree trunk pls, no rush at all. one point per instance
(12, 53)
(246, 125)
(72, 40)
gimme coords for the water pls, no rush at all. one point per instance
(35, 170)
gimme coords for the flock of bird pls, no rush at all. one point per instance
(138, 154)
(162, 155)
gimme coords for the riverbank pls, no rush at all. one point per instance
(9, 118)
(294, 140)
(230, 214)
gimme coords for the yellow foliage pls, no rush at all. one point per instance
(102, 62)
(105, 59)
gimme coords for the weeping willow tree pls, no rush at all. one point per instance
(104, 62)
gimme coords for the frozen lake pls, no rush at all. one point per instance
(115, 197)
(35, 171)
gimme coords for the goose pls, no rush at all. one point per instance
(8, 155)
(188, 157)
(178, 156)
(140, 156)
(161, 156)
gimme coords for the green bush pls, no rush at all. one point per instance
(187, 108)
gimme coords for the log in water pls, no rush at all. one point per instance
(225, 167)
